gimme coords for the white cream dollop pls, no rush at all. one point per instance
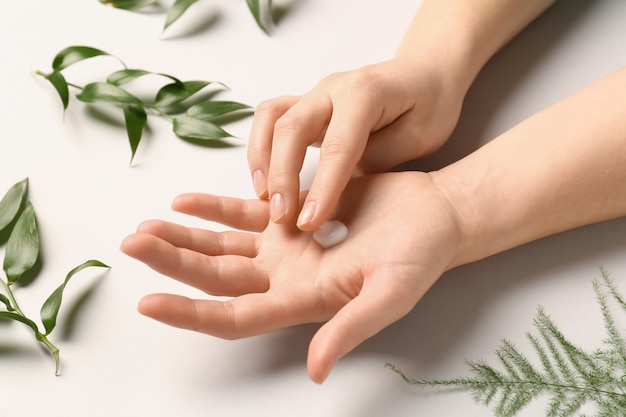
(330, 233)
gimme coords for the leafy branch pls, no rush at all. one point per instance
(196, 121)
(17, 219)
(569, 375)
(261, 10)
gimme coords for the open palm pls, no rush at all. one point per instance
(402, 237)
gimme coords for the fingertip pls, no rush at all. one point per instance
(324, 352)
(307, 216)
(279, 209)
(129, 244)
(147, 304)
(181, 201)
(259, 182)
(312, 215)
(320, 364)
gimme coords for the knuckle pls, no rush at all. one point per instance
(335, 147)
(266, 108)
(289, 124)
(271, 107)
(280, 177)
(364, 81)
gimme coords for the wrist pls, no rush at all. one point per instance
(441, 35)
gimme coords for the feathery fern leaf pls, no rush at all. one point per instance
(567, 374)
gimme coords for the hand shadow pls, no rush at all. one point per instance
(447, 315)
(501, 77)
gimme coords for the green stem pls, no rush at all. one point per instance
(78, 87)
(157, 111)
(38, 335)
(14, 303)
(53, 350)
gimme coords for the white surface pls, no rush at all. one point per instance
(117, 363)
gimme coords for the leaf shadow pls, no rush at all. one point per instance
(74, 312)
(212, 144)
(232, 117)
(105, 115)
(156, 8)
(197, 27)
(13, 350)
(282, 11)
(207, 94)
(500, 79)
(6, 232)
(446, 316)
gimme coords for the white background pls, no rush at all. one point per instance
(87, 198)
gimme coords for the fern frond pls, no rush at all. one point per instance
(566, 373)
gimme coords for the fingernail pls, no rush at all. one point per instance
(277, 207)
(259, 183)
(306, 215)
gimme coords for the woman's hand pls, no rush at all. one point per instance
(366, 120)
(403, 235)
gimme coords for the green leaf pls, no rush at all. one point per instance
(17, 317)
(7, 303)
(198, 131)
(211, 109)
(262, 15)
(107, 93)
(60, 85)
(136, 121)
(22, 249)
(50, 307)
(176, 92)
(128, 4)
(176, 11)
(12, 203)
(126, 75)
(74, 54)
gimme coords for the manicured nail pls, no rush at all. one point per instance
(277, 207)
(259, 183)
(307, 213)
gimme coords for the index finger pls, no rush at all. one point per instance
(343, 145)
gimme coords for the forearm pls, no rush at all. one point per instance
(464, 34)
(563, 168)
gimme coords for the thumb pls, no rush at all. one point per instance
(382, 301)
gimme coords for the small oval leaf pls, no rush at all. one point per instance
(176, 92)
(136, 121)
(17, 317)
(12, 203)
(7, 303)
(126, 75)
(107, 93)
(128, 4)
(262, 15)
(60, 85)
(210, 109)
(74, 54)
(22, 250)
(50, 307)
(198, 131)
(176, 11)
